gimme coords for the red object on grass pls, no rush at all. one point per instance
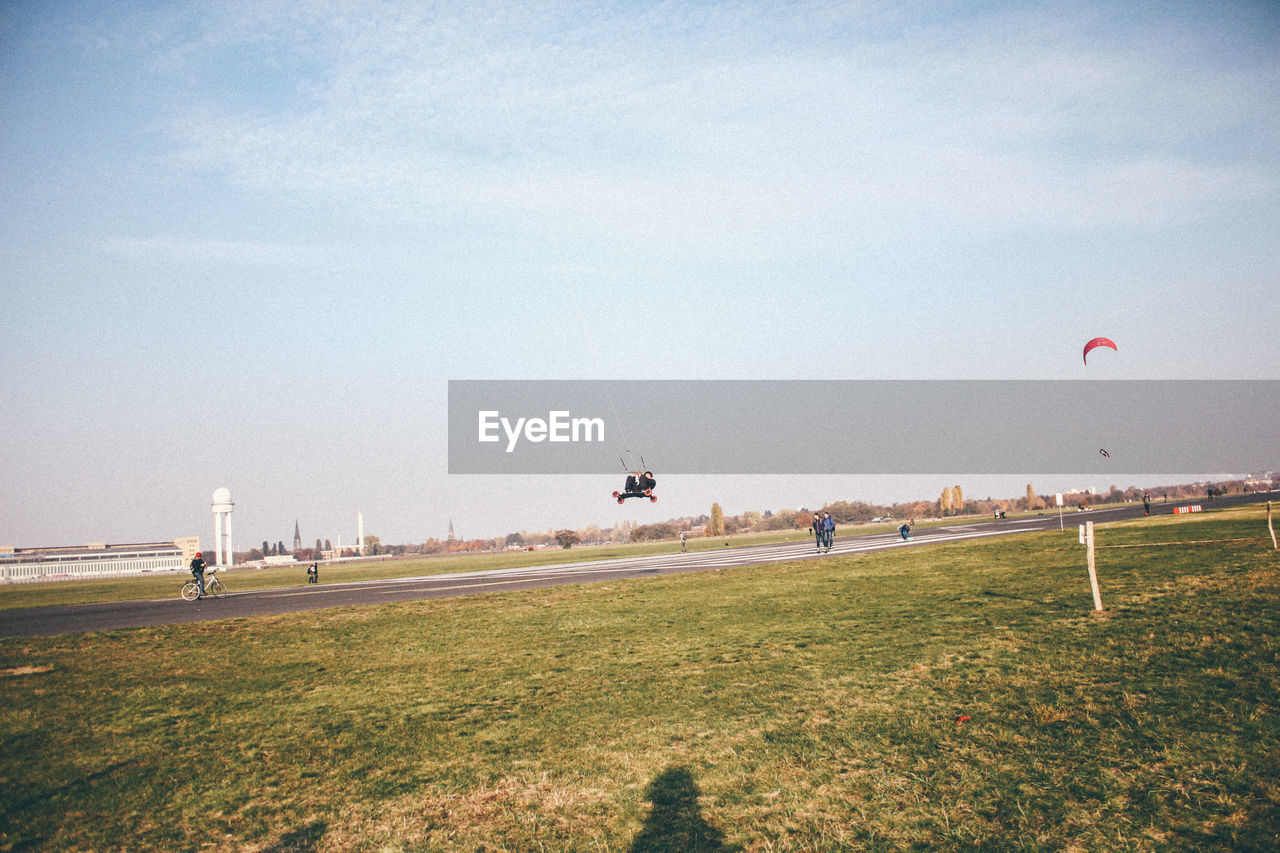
(963, 718)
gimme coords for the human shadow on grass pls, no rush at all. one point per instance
(675, 822)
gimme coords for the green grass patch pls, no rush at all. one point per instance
(799, 706)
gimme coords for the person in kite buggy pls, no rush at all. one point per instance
(638, 485)
(905, 529)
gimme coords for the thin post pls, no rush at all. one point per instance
(1271, 528)
(1093, 567)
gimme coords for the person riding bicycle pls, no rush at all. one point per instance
(197, 571)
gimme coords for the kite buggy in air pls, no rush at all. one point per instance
(640, 484)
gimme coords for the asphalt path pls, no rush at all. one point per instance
(114, 615)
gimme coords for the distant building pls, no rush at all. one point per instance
(1261, 480)
(297, 537)
(96, 560)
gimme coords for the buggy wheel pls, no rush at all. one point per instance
(652, 499)
(190, 590)
(615, 494)
(622, 500)
(215, 586)
(648, 492)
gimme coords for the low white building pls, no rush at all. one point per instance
(95, 560)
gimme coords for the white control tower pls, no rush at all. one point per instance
(222, 507)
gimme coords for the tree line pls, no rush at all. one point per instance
(952, 501)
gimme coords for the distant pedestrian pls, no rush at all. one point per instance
(197, 571)
(905, 528)
(1146, 504)
(828, 530)
(313, 573)
(684, 541)
(816, 526)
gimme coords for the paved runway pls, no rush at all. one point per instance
(106, 616)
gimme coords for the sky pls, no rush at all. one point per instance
(247, 244)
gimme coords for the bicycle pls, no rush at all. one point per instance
(212, 586)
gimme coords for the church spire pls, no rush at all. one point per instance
(297, 536)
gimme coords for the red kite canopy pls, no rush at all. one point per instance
(1095, 343)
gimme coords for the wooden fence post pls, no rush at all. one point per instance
(1093, 567)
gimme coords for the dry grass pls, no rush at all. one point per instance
(791, 707)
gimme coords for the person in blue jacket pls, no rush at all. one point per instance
(905, 529)
(828, 530)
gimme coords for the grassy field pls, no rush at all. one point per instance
(801, 706)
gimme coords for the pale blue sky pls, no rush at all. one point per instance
(247, 244)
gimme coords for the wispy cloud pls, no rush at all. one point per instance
(985, 123)
(213, 251)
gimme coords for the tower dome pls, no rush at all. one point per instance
(222, 500)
